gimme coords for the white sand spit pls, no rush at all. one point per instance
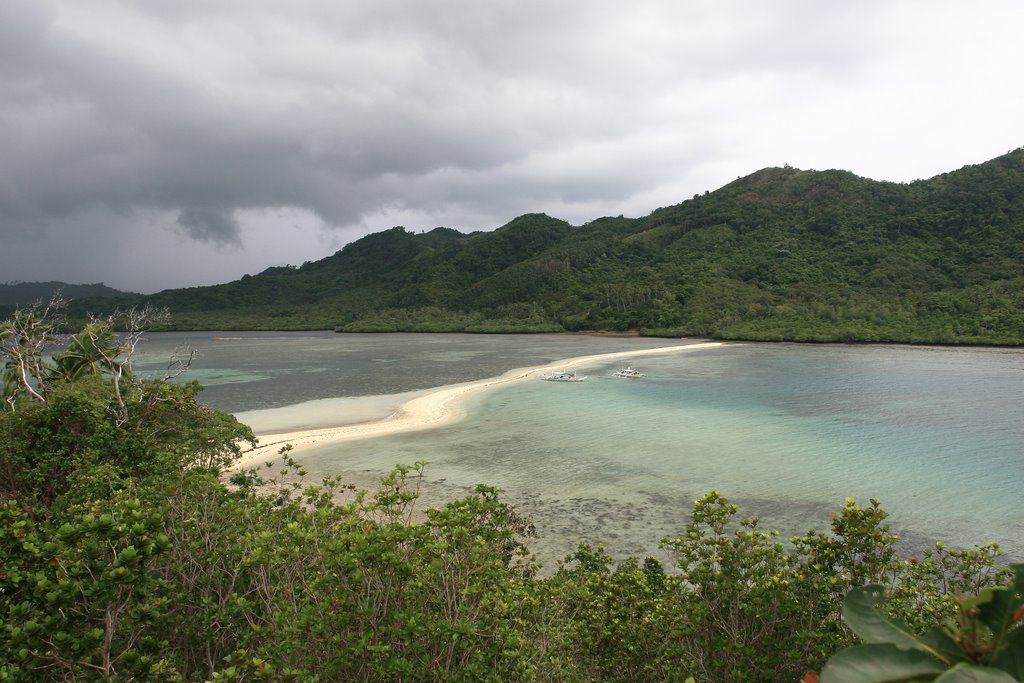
(433, 409)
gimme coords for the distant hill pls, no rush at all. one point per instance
(782, 254)
(22, 293)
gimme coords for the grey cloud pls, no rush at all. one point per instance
(207, 225)
(359, 111)
(468, 88)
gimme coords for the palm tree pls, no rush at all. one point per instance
(91, 352)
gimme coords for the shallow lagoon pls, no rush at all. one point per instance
(786, 430)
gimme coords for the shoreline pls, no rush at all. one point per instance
(436, 408)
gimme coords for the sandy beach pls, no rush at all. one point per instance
(440, 407)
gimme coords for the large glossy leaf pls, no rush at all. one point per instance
(999, 604)
(970, 673)
(880, 663)
(941, 642)
(860, 610)
(1011, 657)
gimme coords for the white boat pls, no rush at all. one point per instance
(562, 376)
(629, 371)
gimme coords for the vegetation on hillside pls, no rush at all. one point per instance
(16, 294)
(125, 555)
(81, 300)
(780, 254)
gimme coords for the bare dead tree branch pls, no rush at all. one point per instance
(179, 363)
(116, 358)
(23, 342)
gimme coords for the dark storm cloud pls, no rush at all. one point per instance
(210, 226)
(208, 121)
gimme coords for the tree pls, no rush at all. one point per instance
(80, 601)
(92, 351)
(82, 423)
(24, 340)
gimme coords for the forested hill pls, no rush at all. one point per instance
(23, 293)
(779, 254)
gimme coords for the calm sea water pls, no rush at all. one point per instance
(788, 431)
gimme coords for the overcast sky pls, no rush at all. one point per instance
(168, 143)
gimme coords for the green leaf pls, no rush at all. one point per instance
(971, 673)
(861, 613)
(1011, 657)
(1018, 579)
(998, 605)
(941, 642)
(880, 663)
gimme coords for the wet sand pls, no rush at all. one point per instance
(436, 408)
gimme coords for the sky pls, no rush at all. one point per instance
(150, 144)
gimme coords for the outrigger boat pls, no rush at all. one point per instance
(629, 371)
(562, 376)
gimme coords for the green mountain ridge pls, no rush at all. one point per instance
(780, 254)
(24, 293)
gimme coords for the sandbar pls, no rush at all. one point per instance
(436, 408)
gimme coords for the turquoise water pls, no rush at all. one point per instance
(788, 431)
